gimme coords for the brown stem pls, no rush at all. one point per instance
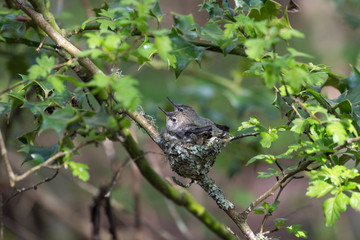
(230, 139)
(39, 19)
(271, 191)
(41, 43)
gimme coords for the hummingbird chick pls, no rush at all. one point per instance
(185, 123)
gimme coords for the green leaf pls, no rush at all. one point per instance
(272, 172)
(184, 52)
(156, 12)
(87, 21)
(319, 188)
(94, 39)
(345, 107)
(39, 154)
(213, 33)
(43, 68)
(255, 48)
(355, 201)
(253, 122)
(57, 82)
(101, 118)
(186, 24)
(145, 51)
(295, 77)
(94, 53)
(79, 170)
(268, 138)
(125, 91)
(333, 206)
(268, 11)
(296, 53)
(336, 129)
(28, 138)
(295, 229)
(280, 222)
(59, 120)
(163, 47)
(268, 158)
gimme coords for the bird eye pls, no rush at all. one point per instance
(181, 109)
(173, 119)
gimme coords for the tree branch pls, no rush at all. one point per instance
(230, 139)
(13, 178)
(271, 191)
(29, 43)
(48, 179)
(57, 37)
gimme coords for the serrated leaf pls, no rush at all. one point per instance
(164, 49)
(184, 52)
(269, 10)
(28, 138)
(252, 122)
(255, 48)
(319, 188)
(125, 91)
(43, 67)
(79, 170)
(268, 138)
(333, 206)
(59, 120)
(57, 83)
(337, 131)
(295, 229)
(186, 24)
(213, 33)
(156, 12)
(295, 77)
(355, 201)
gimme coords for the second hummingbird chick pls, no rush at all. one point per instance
(190, 116)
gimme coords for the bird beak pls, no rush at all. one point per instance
(168, 114)
(173, 103)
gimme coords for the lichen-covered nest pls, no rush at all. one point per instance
(189, 159)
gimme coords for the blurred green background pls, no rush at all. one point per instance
(217, 90)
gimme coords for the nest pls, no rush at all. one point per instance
(189, 159)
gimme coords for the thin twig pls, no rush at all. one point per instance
(12, 87)
(271, 191)
(6, 160)
(282, 187)
(41, 43)
(305, 109)
(48, 179)
(13, 178)
(29, 43)
(287, 102)
(230, 139)
(50, 160)
(348, 142)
